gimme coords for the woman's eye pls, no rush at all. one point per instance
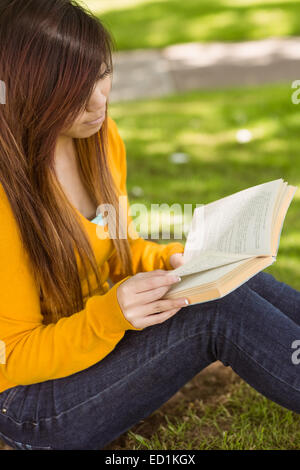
(107, 72)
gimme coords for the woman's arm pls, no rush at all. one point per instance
(36, 352)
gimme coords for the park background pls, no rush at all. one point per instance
(202, 98)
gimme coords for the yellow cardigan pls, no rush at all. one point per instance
(36, 352)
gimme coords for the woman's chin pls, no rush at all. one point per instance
(88, 131)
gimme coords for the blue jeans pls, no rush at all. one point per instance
(251, 329)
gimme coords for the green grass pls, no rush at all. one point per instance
(146, 24)
(242, 420)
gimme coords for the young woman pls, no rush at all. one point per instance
(85, 362)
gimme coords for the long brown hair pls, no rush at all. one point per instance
(51, 52)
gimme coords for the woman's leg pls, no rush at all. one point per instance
(91, 408)
(281, 295)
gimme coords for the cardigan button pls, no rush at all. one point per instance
(4, 410)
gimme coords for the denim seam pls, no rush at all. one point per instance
(106, 389)
(32, 447)
(9, 397)
(262, 367)
(251, 358)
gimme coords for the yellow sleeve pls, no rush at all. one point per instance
(36, 352)
(147, 255)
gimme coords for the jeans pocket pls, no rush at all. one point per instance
(11, 402)
(7, 401)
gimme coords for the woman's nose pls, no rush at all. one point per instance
(97, 104)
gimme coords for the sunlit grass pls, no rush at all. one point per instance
(159, 23)
(107, 5)
(240, 420)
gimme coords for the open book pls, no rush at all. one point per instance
(230, 240)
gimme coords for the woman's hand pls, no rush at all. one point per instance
(176, 260)
(139, 297)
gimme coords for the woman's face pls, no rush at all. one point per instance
(84, 125)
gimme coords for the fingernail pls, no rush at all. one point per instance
(186, 301)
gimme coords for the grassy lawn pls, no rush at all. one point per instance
(159, 23)
(216, 410)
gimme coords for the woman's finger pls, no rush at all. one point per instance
(163, 305)
(151, 295)
(148, 283)
(159, 317)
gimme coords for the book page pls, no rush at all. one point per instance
(207, 260)
(210, 276)
(285, 201)
(281, 195)
(197, 279)
(240, 223)
(219, 282)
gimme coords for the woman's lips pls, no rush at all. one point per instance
(97, 121)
